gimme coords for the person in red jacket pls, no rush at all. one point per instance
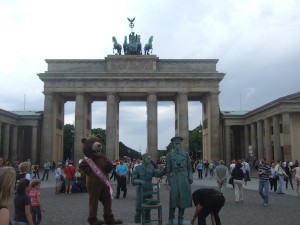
(70, 173)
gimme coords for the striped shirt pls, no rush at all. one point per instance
(264, 172)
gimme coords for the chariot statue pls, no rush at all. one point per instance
(132, 45)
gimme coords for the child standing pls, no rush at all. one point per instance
(35, 196)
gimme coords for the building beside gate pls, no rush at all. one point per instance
(272, 130)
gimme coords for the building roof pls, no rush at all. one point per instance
(27, 113)
(234, 113)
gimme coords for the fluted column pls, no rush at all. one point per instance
(253, 140)
(268, 146)
(228, 145)
(152, 125)
(182, 126)
(79, 126)
(6, 141)
(286, 137)
(214, 118)
(48, 128)
(260, 146)
(34, 144)
(276, 139)
(14, 142)
(111, 126)
(246, 132)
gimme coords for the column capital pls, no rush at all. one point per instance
(151, 93)
(48, 93)
(111, 93)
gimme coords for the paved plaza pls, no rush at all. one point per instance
(72, 209)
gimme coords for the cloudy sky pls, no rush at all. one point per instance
(256, 42)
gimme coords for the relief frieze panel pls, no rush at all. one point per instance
(131, 65)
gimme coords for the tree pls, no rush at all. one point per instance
(68, 141)
(195, 142)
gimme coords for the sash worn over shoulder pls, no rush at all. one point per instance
(100, 174)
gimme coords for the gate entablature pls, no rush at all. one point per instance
(131, 78)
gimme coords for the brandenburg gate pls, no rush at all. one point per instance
(119, 78)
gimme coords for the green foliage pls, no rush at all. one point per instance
(195, 143)
(129, 152)
(102, 134)
(68, 140)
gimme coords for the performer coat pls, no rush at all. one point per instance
(180, 175)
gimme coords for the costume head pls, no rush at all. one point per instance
(93, 147)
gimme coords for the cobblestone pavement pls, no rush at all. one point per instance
(72, 209)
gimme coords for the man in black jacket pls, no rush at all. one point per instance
(207, 201)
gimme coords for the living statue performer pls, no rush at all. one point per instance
(142, 176)
(180, 176)
(97, 167)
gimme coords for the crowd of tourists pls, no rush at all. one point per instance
(272, 176)
(21, 181)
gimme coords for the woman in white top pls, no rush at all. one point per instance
(58, 178)
(297, 177)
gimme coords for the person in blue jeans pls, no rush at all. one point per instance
(280, 172)
(46, 170)
(264, 172)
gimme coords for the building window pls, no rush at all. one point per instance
(280, 128)
(272, 130)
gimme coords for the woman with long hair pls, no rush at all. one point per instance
(7, 184)
(22, 204)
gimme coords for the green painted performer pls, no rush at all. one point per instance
(142, 176)
(180, 176)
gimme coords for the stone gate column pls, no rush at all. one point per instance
(79, 126)
(228, 145)
(112, 143)
(152, 125)
(276, 139)
(48, 128)
(14, 142)
(182, 123)
(34, 144)
(214, 118)
(268, 146)
(260, 151)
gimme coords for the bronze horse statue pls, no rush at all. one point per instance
(125, 46)
(117, 46)
(148, 46)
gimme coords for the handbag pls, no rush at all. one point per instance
(230, 181)
(62, 178)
